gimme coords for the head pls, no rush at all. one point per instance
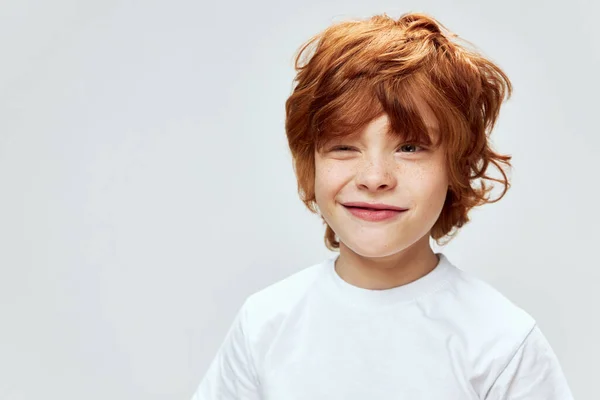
(394, 112)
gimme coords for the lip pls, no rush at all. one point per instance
(374, 215)
(377, 206)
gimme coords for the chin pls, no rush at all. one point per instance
(375, 248)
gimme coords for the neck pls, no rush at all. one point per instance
(380, 273)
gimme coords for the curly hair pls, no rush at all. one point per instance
(354, 71)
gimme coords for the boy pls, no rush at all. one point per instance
(388, 127)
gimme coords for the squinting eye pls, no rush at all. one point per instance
(341, 148)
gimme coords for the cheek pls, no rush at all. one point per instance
(329, 178)
(323, 181)
(319, 189)
(431, 186)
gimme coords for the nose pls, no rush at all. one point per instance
(376, 175)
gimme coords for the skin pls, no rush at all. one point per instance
(376, 167)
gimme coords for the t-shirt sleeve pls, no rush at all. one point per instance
(231, 374)
(534, 373)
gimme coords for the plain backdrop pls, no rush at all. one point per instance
(147, 188)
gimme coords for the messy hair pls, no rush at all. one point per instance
(354, 71)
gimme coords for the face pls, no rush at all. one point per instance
(376, 167)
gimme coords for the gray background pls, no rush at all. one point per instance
(147, 189)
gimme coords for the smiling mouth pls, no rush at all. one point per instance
(370, 209)
(359, 205)
(374, 215)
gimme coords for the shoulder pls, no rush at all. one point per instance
(267, 311)
(275, 300)
(477, 300)
(534, 372)
(492, 326)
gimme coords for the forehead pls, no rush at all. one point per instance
(425, 111)
(381, 125)
(400, 111)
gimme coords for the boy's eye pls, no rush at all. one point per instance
(341, 148)
(414, 147)
(409, 148)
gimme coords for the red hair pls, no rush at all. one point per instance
(354, 71)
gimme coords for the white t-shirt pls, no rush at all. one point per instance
(447, 335)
